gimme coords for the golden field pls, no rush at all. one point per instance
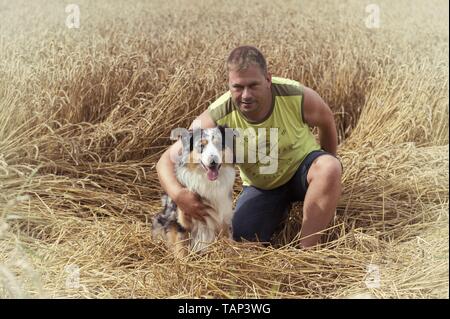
(86, 112)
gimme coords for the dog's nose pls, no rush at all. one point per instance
(213, 161)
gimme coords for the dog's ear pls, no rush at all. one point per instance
(224, 132)
(185, 136)
(187, 140)
(222, 129)
(229, 139)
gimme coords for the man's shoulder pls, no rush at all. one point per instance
(221, 107)
(286, 87)
(221, 101)
(285, 81)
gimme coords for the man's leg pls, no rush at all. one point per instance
(322, 196)
(259, 212)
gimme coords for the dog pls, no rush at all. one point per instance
(206, 167)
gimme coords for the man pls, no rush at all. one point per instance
(306, 171)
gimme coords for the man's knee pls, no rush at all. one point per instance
(328, 168)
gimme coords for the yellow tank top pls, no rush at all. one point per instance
(262, 164)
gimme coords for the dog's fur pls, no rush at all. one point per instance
(203, 170)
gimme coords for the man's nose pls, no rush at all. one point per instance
(246, 93)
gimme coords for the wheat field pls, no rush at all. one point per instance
(86, 112)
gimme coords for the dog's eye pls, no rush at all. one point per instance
(203, 144)
(217, 140)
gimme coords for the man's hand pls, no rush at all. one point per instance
(191, 205)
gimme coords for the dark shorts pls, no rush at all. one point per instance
(260, 212)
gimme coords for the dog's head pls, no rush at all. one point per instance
(210, 148)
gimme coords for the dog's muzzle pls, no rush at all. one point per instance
(212, 169)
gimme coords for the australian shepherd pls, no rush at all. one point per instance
(205, 168)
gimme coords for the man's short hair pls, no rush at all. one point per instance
(242, 57)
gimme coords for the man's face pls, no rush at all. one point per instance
(250, 90)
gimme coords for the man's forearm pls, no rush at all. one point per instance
(166, 175)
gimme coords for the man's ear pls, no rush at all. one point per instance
(269, 78)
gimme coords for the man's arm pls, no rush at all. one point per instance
(188, 202)
(166, 170)
(317, 113)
